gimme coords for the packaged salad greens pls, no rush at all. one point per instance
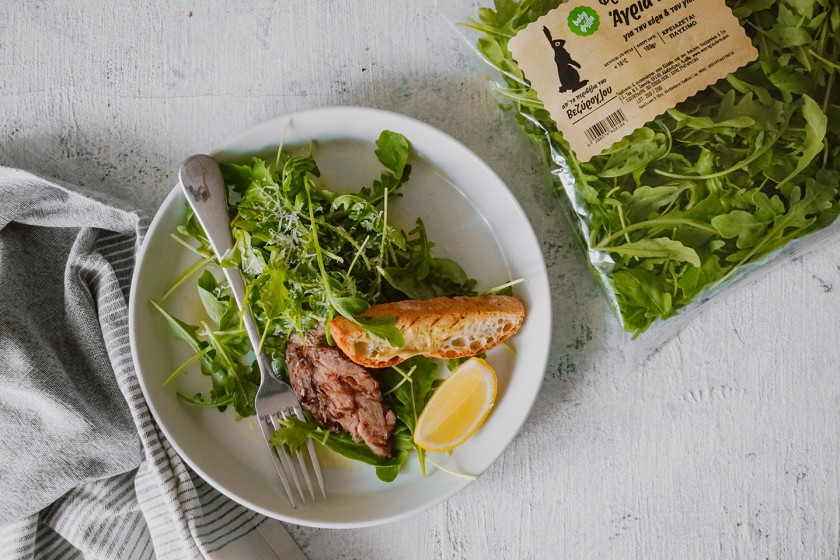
(742, 174)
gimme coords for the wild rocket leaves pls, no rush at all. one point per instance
(720, 181)
(409, 386)
(295, 432)
(422, 276)
(309, 254)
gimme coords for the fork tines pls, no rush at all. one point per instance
(286, 466)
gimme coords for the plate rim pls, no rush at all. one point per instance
(239, 138)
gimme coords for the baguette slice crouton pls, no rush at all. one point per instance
(445, 327)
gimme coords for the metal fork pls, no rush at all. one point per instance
(205, 190)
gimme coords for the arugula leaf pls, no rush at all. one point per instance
(424, 276)
(815, 129)
(250, 261)
(660, 247)
(233, 382)
(295, 432)
(695, 279)
(207, 287)
(382, 327)
(392, 151)
(747, 227)
(409, 393)
(633, 153)
(219, 402)
(182, 330)
(349, 306)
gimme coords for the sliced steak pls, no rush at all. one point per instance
(339, 393)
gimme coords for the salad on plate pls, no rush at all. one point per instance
(355, 313)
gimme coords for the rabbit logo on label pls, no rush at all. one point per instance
(567, 67)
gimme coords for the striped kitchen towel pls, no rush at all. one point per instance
(84, 470)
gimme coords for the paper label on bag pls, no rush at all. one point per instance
(604, 68)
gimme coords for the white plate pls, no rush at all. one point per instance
(471, 216)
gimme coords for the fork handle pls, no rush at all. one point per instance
(204, 187)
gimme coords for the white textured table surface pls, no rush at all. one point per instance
(724, 445)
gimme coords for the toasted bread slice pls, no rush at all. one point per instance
(443, 327)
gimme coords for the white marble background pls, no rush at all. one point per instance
(723, 445)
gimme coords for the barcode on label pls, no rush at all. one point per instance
(604, 126)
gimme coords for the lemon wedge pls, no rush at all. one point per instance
(458, 407)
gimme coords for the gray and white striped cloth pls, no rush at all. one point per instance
(84, 470)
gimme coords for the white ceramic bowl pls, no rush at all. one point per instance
(472, 217)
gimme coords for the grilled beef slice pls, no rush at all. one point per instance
(339, 393)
